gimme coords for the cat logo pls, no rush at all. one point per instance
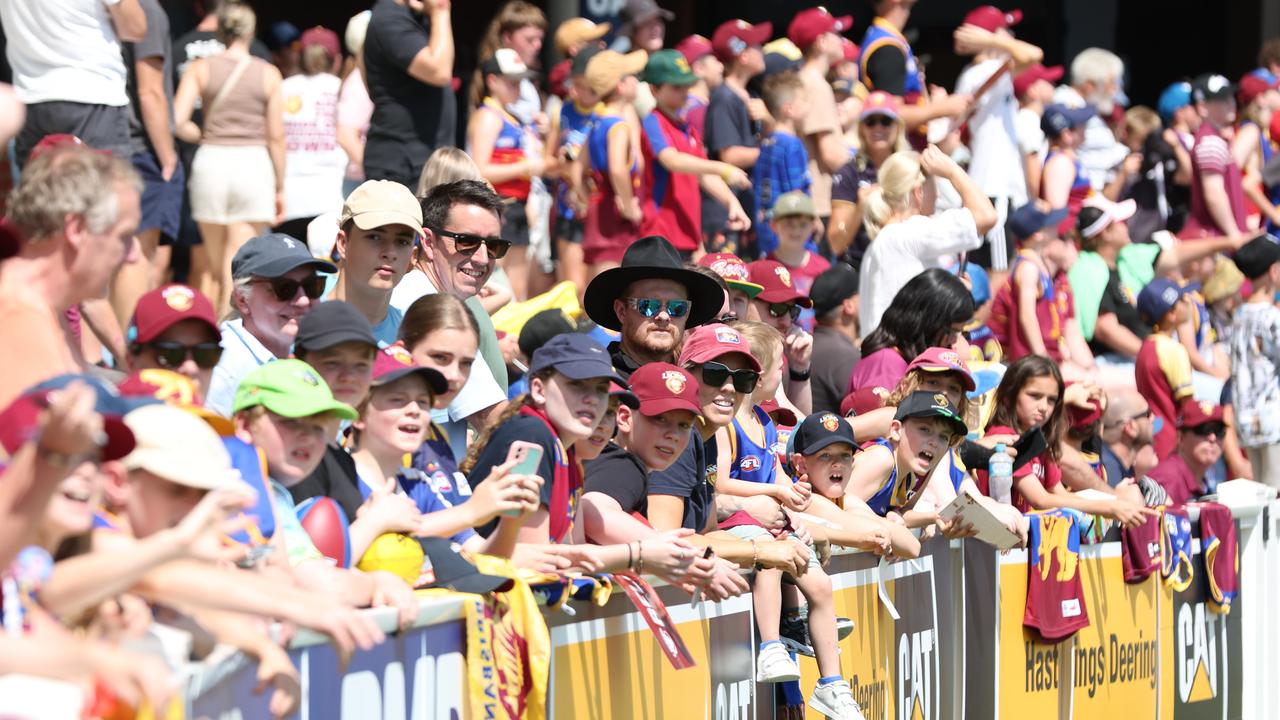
(949, 357)
(1055, 536)
(917, 657)
(1199, 635)
(830, 422)
(784, 275)
(728, 336)
(179, 298)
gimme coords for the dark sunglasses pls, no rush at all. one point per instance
(286, 289)
(1209, 428)
(468, 244)
(779, 309)
(744, 380)
(172, 354)
(650, 307)
(878, 121)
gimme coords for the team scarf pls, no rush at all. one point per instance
(566, 486)
(508, 648)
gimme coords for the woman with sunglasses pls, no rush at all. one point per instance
(879, 136)
(174, 328)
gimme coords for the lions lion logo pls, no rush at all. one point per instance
(179, 298)
(674, 381)
(830, 422)
(399, 354)
(784, 275)
(949, 357)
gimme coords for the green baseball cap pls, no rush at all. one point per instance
(668, 67)
(290, 388)
(793, 203)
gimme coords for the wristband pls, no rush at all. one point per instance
(798, 376)
(640, 557)
(755, 554)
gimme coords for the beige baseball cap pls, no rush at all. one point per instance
(381, 202)
(795, 202)
(609, 66)
(576, 30)
(179, 447)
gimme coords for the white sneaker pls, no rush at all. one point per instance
(835, 700)
(774, 664)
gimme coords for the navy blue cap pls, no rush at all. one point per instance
(1158, 298)
(273, 255)
(575, 356)
(1031, 219)
(282, 33)
(1057, 118)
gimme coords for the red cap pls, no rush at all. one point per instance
(10, 239)
(1087, 415)
(863, 400)
(708, 342)
(177, 390)
(733, 38)
(783, 417)
(851, 50)
(52, 142)
(1195, 413)
(940, 359)
(808, 25)
(323, 37)
(662, 387)
(733, 270)
(1026, 78)
(879, 102)
(1251, 86)
(992, 18)
(694, 48)
(775, 278)
(394, 362)
(162, 308)
(558, 78)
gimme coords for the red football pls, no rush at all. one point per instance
(326, 523)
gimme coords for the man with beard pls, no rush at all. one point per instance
(1095, 80)
(1127, 435)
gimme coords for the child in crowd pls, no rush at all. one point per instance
(613, 157)
(1255, 360)
(793, 221)
(1163, 369)
(697, 50)
(783, 164)
(568, 137)
(737, 277)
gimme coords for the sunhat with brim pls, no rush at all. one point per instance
(289, 388)
(179, 447)
(651, 258)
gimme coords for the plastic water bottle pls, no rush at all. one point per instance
(1000, 475)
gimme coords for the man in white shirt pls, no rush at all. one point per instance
(1095, 80)
(68, 69)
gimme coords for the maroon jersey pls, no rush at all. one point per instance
(1140, 548)
(1221, 555)
(1055, 596)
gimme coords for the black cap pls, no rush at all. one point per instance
(925, 404)
(1212, 86)
(542, 327)
(820, 430)
(333, 323)
(273, 255)
(832, 287)
(576, 356)
(1257, 256)
(445, 567)
(579, 66)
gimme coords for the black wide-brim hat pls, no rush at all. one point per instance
(651, 258)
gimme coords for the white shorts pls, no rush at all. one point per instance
(232, 183)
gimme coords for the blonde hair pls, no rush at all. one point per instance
(911, 383)
(897, 179)
(236, 21)
(1141, 120)
(863, 158)
(763, 339)
(513, 16)
(446, 165)
(71, 180)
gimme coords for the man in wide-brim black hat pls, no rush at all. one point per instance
(652, 299)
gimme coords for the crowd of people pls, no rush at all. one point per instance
(809, 295)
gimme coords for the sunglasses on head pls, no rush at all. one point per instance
(170, 355)
(1210, 428)
(468, 244)
(744, 380)
(286, 288)
(651, 307)
(784, 308)
(878, 121)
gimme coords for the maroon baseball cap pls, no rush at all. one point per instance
(782, 416)
(20, 421)
(322, 37)
(164, 307)
(694, 48)
(1085, 416)
(992, 18)
(733, 38)
(863, 400)
(808, 25)
(776, 280)
(708, 342)
(1194, 413)
(394, 362)
(662, 387)
(940, 359)
(1253, 85)
(10, 240)
(558, 78)
(1028, 77)
(52, 142)
(733, 270)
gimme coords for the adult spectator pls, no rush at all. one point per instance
(77, 210)
(816, 32)
(202, 41)
(461, 242)
(906, 236)
(354, 106)
(149, 63)
(314, 162)
(888, 64)
(1128, 434)
(651, 299)
(835, 336)
(275, 283)
(237, 176)
(68, 70)
(174, 328)
(880, 134)
(408, 64)
(378, 229)
(1217, 185)
(1200, 432)
(1095, 82)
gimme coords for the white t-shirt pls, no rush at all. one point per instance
(1100, 152)
(997, 165)
(905, 249)
(1031, 138)
(314, 164)
(63, 50)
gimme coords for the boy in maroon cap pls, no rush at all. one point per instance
(1200, 431)
(175, 328)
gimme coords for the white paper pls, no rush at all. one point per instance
(966, 508)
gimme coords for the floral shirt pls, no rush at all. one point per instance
(1255, 361)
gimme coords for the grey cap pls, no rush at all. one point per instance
(274, 254)
(332, 323)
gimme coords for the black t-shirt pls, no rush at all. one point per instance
(335, 477)
(620, 475)
(692, 477)
(520, 427)
(728, 125)
(1116, 299)
(887, 70)
(410, 118)
(155, 44)
(622, 362)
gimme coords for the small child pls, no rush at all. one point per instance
(569, 134)
(793, 221)
(1163, 369)
(1255, 360)
(697, 51)
(614, 212)
(783, 164)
